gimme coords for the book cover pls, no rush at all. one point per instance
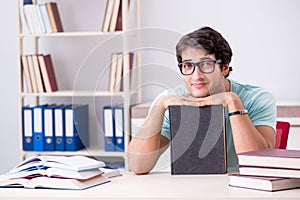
(277, 158)
(197, 140)
(25, 69)
(116, 8)
(270, 184)
(54, 16)
(113, 71)
(108, 15)
(37, 72)
(32, 73)
(48, 73)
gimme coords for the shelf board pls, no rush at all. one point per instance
(91, 151)
(72, 34)
(69, 93)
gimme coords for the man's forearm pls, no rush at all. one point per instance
(144, 148)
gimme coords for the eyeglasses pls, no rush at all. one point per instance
(206, 66)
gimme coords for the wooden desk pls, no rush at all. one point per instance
(154, 186)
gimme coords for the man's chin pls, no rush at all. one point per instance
(199, 95)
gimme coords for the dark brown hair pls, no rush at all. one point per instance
(208, 40)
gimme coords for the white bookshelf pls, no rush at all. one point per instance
(38, 39)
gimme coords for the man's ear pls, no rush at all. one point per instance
(225, 69)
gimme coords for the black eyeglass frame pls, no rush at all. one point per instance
(219, 61)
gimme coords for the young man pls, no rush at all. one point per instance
(250, 111)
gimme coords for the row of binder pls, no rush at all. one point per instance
(55, 127)
(113, 117)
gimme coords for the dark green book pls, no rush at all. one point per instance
(198, 144)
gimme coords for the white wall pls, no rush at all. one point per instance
(9, 125)
(264, 35)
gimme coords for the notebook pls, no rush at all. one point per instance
(198, 144)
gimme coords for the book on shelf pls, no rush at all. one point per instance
(270, 184)
(275, 158)
(45, 17)
(107, 15)
(26, 74)
(37, 72)
(113, 71)
(117, 74)
(118, 86)
(54, 16)
(47, 72)
(117, 24)
(53, 183)
(32, 73)
(75, 163)
(117, 6)
(31, 17)
(197, 140)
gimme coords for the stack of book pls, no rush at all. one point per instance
(39, 75)
(268, 169)
(113, 16)
(117, 63)
(56, 172)
(41, 18)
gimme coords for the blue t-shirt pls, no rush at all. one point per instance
(261, 108)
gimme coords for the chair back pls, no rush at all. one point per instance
(282, 133)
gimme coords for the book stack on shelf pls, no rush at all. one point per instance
(55, 127)
(58, 172)
(268, 169)
(117, 62)
(113, 16)
(41, 18)
(38, 73)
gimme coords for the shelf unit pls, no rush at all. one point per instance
(96, 151)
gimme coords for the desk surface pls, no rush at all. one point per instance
(153, 186)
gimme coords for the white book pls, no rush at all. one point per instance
(45, 15)
(108, 15)
(40, 19)
(28, 18)
(75, 163)
(115, 10)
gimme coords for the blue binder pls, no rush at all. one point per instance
(49, 136)
(38, 127)
(108, 128)
(59, 127)
(118, 128)
(76, 127)
(27, 128)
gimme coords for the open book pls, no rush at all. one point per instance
(54, 183)
(55, 172)
(75, 163)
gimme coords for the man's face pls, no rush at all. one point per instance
(198, 83)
